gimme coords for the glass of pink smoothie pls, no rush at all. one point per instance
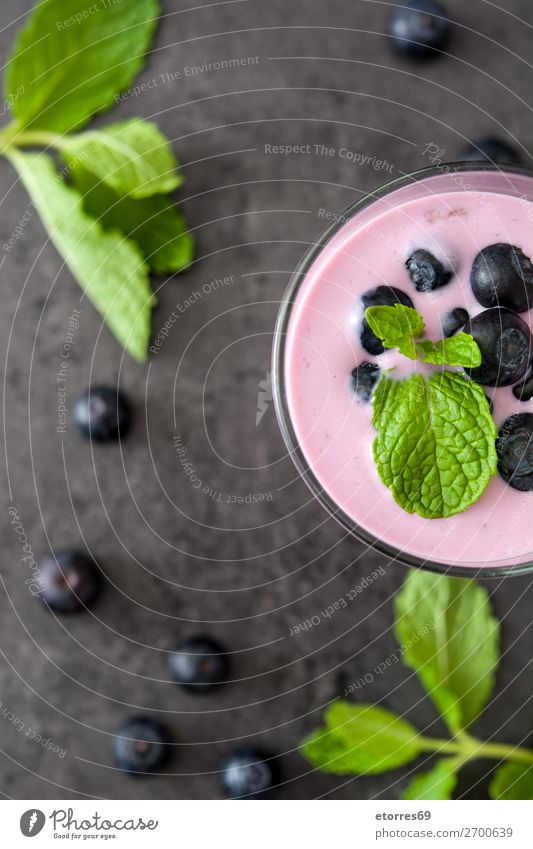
(454, 212)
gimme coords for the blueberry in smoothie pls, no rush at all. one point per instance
(427, 272)
(515, 451)
(364, 379)
(524, 391)
(454, 321)
(506, 347)
(380, 296)
(502, 276)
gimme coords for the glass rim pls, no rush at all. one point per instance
(278, 377)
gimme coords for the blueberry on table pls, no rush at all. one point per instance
(249, 773)
(141, 745)
(502, 276)
(381, 296)
(68, 580)
(524, 391)
(199, 664)
(454, 321)
(515, 451)
(364, 379)
(506, 347)
(491, 150)
(419, 28)
(427, 272)
(102, 413)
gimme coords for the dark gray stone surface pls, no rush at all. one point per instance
(179, 560)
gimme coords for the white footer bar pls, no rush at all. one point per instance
(267, 824)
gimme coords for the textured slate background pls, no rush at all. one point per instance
(179, 560)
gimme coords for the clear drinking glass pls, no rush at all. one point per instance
(507, 180)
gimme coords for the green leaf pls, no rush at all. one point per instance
(424, 348)
(450, 638)
(397, 327)
(72, 57)
(109, 267)
(512, 781)
(435, 446)
(460, 350)
(154, 223)
(361, 739)
(132, 157)
(402, 327)
(438, 783)
(329, 754)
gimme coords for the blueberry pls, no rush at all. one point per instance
(419, 28)
(506, 347)
(68, 580)
(249, 773)
(102, 413)
(199, 664)
(491, 150)
(515, 451)
(427, 272)
(141, 745)
(524, 391)
(502, 276)
(364, 378)
(385, 296)
(454, 321)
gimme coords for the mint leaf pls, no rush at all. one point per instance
(438, 783)
(325, 751)
(109, 267)
(71, 59)
(460, 350)
(397, 327)
(133, 157)
(154, 223)
(450, 638)
(512, 781)
(402, 327)
(435, 446)
(361, 739)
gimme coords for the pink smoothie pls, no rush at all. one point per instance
(334, 429)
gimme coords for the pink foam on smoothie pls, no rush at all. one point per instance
(335, 431)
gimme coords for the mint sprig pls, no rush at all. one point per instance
(447, 633)
(436, 441)
(403, 328)
(108, 210)
(397, 327)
